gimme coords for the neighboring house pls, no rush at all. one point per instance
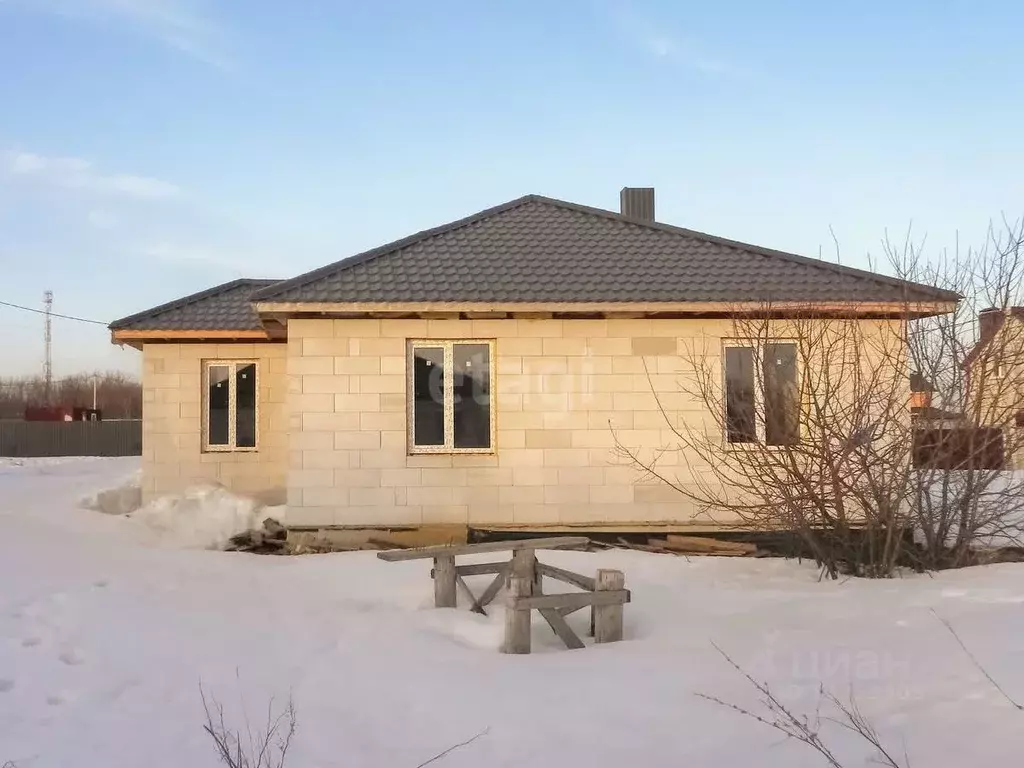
(996, 370)
(479, 372)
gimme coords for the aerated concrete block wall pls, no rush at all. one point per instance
(565, 391)
(172, 455)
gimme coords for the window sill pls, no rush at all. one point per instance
(452, 452)
(747, 447)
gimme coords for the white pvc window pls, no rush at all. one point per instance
(762, 393)
(230, 405)
(451, 396)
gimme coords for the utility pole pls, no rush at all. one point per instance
(47, 343)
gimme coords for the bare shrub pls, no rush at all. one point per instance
(807, 729)
(268, 746)
(238, 748)
(821, 450)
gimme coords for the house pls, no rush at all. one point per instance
(479, 372)
(995, 368)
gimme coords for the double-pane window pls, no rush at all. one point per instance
(451, 406)
(230, 405)
(762, 405)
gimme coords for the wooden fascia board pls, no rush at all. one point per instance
(919, 309)
(134, 337)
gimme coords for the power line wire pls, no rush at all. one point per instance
(52, 314)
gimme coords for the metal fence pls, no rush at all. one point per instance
(71, 438)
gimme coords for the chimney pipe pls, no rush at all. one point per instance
(637, 203)
(989, 322)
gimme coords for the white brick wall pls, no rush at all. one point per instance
(172, 456)
(333, 422)
(558, 385)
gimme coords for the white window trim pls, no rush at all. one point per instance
(232, 411)
(448, 346)
(759, 426)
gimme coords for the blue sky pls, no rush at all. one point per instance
(152, 148)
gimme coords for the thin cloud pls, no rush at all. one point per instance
(198, 256)
(100, 219)
(77, 173)
(687, 55)
(182, 25)
(661, 42)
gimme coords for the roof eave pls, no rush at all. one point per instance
(909, 309)
(135, 337)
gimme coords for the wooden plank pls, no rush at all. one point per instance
(660, 545)
(643, 547)
(384, 544)
(703, 544)
(561, 628)
(610, 527)
(571, 599)
(444, 581)
(425, 535)
(399, 537)
(166, 335)
(475, 606)
(517, 619)
(608, 616)
(577, 580)
(552, 542)
(494, 587)
(524, 563)
(478, 569)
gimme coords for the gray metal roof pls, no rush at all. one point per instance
(224, 307)
(537, 249)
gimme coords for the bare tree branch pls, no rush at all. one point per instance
(805, 729)
(118, 395)
(976, 663)
(454, 747)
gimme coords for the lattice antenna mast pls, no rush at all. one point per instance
(47, 344)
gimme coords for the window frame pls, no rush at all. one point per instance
(760, 427)
(231, 446)
(448, 346)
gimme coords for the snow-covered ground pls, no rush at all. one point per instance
(106, 632)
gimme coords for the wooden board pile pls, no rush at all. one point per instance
(271, 539)
(674, 544)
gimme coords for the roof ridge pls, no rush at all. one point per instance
(192, 298)
(382, 250)
(833, 267)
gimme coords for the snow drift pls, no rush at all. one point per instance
(202, 517)
(120, 500)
